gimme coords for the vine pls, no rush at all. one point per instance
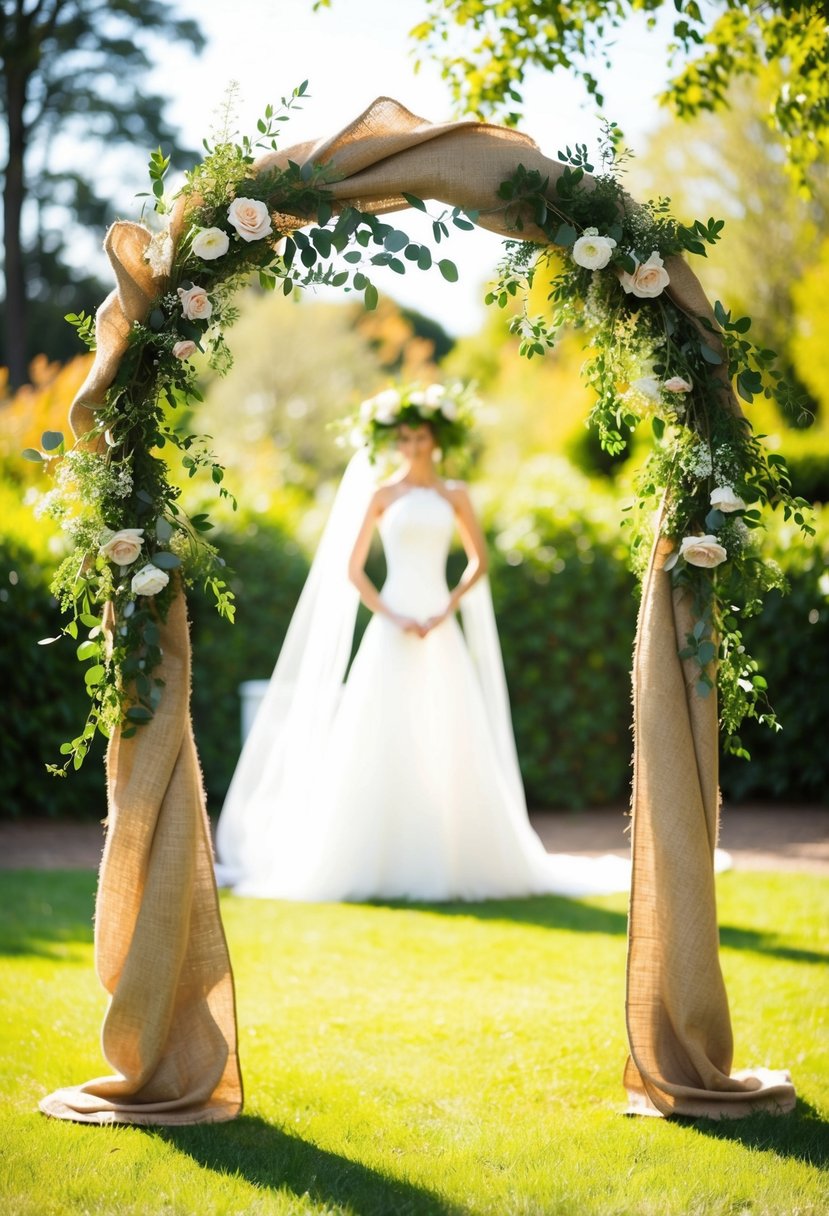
(650, 361)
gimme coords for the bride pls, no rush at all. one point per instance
(403, 782)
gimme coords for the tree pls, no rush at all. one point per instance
(71, 68)
(485, 48)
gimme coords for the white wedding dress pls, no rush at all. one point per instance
(403, 783)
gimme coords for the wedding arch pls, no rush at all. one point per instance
(170, 1028)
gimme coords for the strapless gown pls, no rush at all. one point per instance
(412, 799)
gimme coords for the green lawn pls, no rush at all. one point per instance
(440, 1060)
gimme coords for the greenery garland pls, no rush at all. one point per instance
(650, 361)
(130, 540)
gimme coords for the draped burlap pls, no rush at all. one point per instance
(678, 1019)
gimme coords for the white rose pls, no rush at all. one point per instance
(702, 551)
(593, 251)
(649, 279)
(159, 253)
(149, 580)
(449, 409)
(183, 350)
(434, 394)
(210, 243)
(725, 500)
(195, 303)
(677, 385)
(386, 406)
(250, 218)
(123, 547)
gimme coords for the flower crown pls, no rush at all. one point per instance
(446, 408)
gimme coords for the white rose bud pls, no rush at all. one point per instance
(183, 350)
(250, 218)
(677, 385)
(123, 547)
(592, 251)
(149, 580)
(725, 500)
(195, 303)
(210, 243)
(649, 279)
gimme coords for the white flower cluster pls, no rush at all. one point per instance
(697, 461)
(386, 407)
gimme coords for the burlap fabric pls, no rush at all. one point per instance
(678, 1020)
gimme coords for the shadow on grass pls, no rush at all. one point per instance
(801, 1136)
(545, 911)
(765, 943)
(43, 914)
(266, 1156)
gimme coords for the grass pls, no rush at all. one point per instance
(422, 1061)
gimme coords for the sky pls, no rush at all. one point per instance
(358, 50)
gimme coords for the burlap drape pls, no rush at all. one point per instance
(678, 1020)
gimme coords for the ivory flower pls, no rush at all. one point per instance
(386, 406)
(123, 547)
(449, 409)
(159, 253)
(195, 303)
(649, 279)
(700, 551)
(725, 500)
(210, 243)
(250, 218)
(149, 580)
(676, 384)
(183, 350)
(648, 387)
(592, 251)
(434, 395)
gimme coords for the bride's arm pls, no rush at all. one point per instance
(356, 568)
(474, 544)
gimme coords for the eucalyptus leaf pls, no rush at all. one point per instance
(51, 440)
(165, 560)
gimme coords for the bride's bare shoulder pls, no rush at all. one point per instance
(456, 491)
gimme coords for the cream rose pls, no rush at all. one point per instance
(725, 500)
(434, 395)
(123, 547)
(183, 350)
(195, 303)
(649, 279)
(250, 218)
(149, 580)
(210, 243)
(702, 551)
(449, 409)
(592, 251)
(677, 385)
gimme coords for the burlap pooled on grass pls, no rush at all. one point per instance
(678, 1020)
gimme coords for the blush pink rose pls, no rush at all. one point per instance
(183, 350)
(123, 547)
(195, 303)
(649, 279)
(250, 218)
(676, 384)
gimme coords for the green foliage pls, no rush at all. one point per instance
(486, 50)
(462, 1060)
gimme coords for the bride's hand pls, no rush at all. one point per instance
(432, 623)
(408, 624)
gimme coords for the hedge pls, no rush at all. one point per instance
(566, 606)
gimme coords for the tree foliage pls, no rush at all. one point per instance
(74, 76)
(486, 47)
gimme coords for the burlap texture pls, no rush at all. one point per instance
(678, 1020)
